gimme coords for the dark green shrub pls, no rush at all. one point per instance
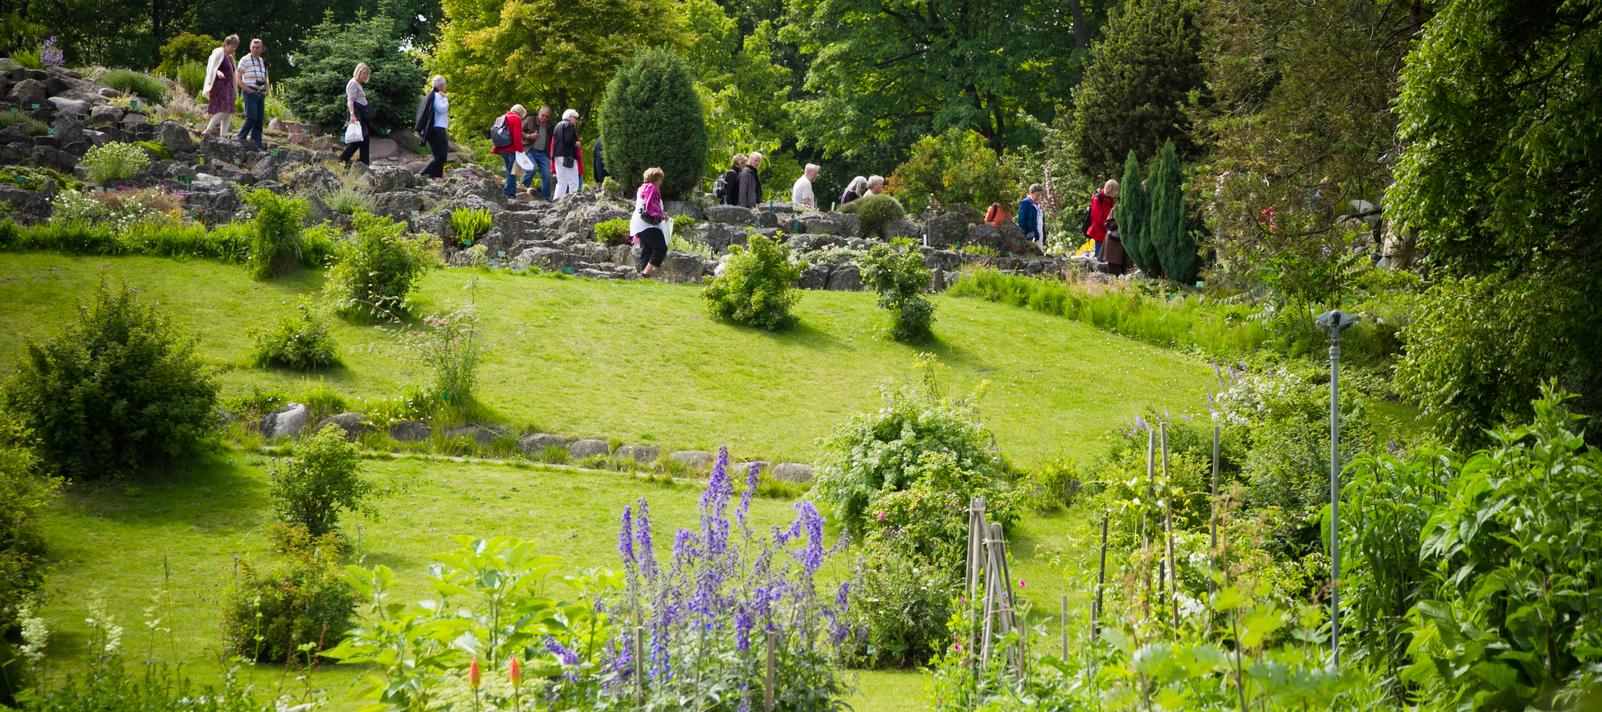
(114, 161)
(955, 168)
(301, 342)
(318, 480)
(276, 247)
(24, 493)
(1132, 212)
(316, 92)
(270, 615)
(374, 273)
(612, 232)
(138, 83)
(757, 287)
(120, 391)
(1167, 228)
(899, 608)
(874, 214)
(651, 117)
(898, 275)
(186, 48)
(191, 78)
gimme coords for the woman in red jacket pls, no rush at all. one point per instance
(1101, 206)
(513, 124)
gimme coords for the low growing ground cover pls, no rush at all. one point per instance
(642, 361)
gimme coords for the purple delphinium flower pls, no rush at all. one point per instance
(625, 539)
(751, 482)
(1140, 423)
(50, 55)
(562, 653)
(812, 555)
(642, 533)
(743, 621)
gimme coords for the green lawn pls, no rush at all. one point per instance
(641, 361)
(116, 545)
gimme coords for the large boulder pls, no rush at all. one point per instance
(478, 433)
(285, 423)
(64, 105)
(408, 431)
(581, 219)
(588, 447)
(948, 229)
(400, 204)
(720, 236)
(27, 93)
(354, 424)
(211, 200)
(536, 444)
(643, 454)
(105, 114)
(815, 277)
(730, 215)
(384, 179)
(682, 268)
(845, 279)
(173, 135)
(793, 472)
(379, 149)
(696, 460)
(314, 180)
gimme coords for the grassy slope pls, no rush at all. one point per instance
(643, 362)
(112, 544)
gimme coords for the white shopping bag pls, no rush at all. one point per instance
(353, 132)
(524, 162)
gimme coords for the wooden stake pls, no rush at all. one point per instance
(1064, 622)
(1145, 542)
(1168, 529)
(767, 688)
(1101, 581)
(1212, 545)
(639, 666)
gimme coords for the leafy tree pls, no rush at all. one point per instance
(317, 91)
(897, 273)
(652, 117)
(183, 48)
(497, 53)
(954, 167)
(1132, 212)
(1499, 178)
(1167, 229)
(743, 87)
(1134, 95)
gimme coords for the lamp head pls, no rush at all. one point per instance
(1336, 320)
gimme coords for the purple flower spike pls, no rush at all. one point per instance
(642, 533)
(625, 539)
(562, 653)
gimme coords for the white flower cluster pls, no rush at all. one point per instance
(35, 636)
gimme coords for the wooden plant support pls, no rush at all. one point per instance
(1168, 530)
(1145, 541)
(767, 686)
(1101, 582)
(987, 550)
(639, 665)
(1212, 543)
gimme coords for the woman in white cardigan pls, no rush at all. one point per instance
(219, 89)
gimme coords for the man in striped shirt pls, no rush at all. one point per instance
(251, 78)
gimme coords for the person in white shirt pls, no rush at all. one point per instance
(251, 74)
(875, 185)
(801, 193)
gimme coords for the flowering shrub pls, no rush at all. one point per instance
(451, 348)
(114, 161)
(50, 55)
(119, 210)
(299, 342)
(705, 615)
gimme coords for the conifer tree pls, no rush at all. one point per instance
(652, 117)
(1166, 231)
(1131, 214)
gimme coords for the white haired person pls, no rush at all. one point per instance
(567, 156)
(801, 192)
(219, 88)
(360, 112)
(875, 185)
(433, 119)
(750, 182)
(1030, 218)
(854, 190)
(650, 225)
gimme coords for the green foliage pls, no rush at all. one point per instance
(953, 168)
(316, 91)
(1478, 348)
(191, 77)
(318, 480)
(138, 83)
(479, 40)
(469, 224)
(186, 48)
(898, 275)
(652, 117)
(375, 272)
(279, 223)
(114, 161)
(899, 608)
(30, 178)
(28, 58)
(743, 71)
(301, 342)
(291, 613)
(1053, 486)
(226, 243)
(757, 287)
(119, 391)
(15, 117)
(349, 201)
(156, 149)
(875, 213)
(1134, 94)
(25, 492)
(1132, 213)
(453, 350)
(1167, 228)
(612, 232)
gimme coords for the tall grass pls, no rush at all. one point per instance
(1179, 321)
(225, 243)
(130, 82)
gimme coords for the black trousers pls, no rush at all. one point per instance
(653, 247)
(439, 144)
(367, 136)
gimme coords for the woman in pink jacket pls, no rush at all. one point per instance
(647, 223)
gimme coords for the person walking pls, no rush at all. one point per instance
(875, 185)
(537, 139)
(510, 125)
(1101, 207)
(854, 190)
(648, 220)
(433, 119)
(360, 113)
(567, 155)
(731, 180)
(801, 193)
(252, 81)
(750, 182)
(1030, 219)
(600, 165)
(1113, 255)
(219, 88)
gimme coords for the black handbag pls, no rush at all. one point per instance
(647, 217)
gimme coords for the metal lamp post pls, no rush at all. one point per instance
(1335, 321)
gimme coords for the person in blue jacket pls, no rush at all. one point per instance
(1030, 219)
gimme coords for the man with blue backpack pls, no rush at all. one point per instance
(506, 134)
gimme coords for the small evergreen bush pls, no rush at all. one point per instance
(301, 342)
(757, 287)
(897, 273)
(469, 224)
(277, 247)
(612, 232)
(138, 83)
(120, 391)
(651, 116)
(186, 48)
(332, 49)
(1167, 229)
(191, 78)
(292, 613)
(874, 214)
(318, 480)
(1132, 213)
(375, 272)
(114, 161)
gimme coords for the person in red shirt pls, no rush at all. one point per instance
(510, 152)
(1101, 207)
